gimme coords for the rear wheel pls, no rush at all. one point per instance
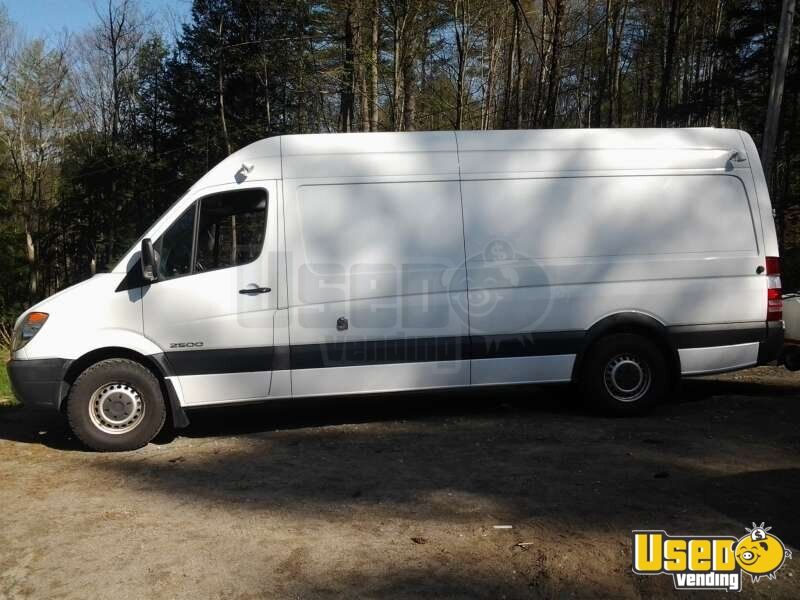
(624, 374)
(116, 405)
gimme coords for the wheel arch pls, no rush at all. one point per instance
(156, 364)
(85, 361)
(630, 322)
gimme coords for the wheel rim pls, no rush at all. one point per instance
(627, 378)
(116, 408)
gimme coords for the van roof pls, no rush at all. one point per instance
(438, 152)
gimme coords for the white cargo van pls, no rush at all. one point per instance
(360, 263)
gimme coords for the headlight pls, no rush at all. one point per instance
(29, 327)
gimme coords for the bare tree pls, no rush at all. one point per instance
(409, 24)
(362, 62)
(554, 75)
(776, 85)
(118, 39)
(8, 37)
(104, 66)
(35, 115)
(461, 20)
(511, 88)
(493, 48)
(221, 83)
(374, 60)
(467, 14)
(399, 11)
(670, 44)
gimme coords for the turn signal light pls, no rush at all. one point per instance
(29, 327)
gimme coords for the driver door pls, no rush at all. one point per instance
(212, 307)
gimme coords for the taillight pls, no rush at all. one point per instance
(774, 298)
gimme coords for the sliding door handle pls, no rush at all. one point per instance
(254, 291)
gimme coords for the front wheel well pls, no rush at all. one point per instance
(79, 365)
(637, 324)
(174, 410)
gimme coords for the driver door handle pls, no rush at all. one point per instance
(254, 291)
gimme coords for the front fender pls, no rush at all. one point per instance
(115, 338)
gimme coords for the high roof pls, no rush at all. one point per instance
(440, 153)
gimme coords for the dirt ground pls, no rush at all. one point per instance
(399, 496)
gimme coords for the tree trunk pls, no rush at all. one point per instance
(512, 49)
(493, 43)
(410, 75)
(267, 102)
(221, 89)
(348, 85)
(114, 53)
(374, 57)
(602, 86)
(460, 20)
(616, 90)
(360, 67)
(555, 56)
(30, 258)
(776, 86)
(518, 78)
(614, 96)
(399, 25)
(669, 58)
(541, 76)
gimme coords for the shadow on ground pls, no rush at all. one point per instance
(402, 492)
(50, 429)
(519, 452)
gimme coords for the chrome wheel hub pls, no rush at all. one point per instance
(627, 378)
(116, 408)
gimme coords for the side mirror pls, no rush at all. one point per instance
(148, 261)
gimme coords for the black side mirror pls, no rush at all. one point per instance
(148, 261)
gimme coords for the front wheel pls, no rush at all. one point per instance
(116, 405)
(624, 374)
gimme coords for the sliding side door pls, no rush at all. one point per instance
(377, 286)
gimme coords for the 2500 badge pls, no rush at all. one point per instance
(186, 345)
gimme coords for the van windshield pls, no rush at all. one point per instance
(117, 262)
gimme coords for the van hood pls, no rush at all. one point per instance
(52, 301)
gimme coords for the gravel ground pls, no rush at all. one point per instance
(399, 496)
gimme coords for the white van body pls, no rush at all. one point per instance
(400, 261)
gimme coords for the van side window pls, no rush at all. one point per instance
(231, 229)
(174, 247)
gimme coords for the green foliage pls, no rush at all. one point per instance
(240, 70)
(6, 394)
(13, 273)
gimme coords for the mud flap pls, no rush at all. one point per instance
(179, 418)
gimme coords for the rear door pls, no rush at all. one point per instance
(212, 308)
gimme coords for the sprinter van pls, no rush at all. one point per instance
(310, 265)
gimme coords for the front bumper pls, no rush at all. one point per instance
(39, 383)
(771, 348)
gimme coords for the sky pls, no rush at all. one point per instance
(50, 18)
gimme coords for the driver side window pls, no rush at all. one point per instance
(231, 228)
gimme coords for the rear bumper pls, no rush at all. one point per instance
(39, 383)
(771, 348)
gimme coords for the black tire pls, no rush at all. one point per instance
(624, 374)
(116, 405)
